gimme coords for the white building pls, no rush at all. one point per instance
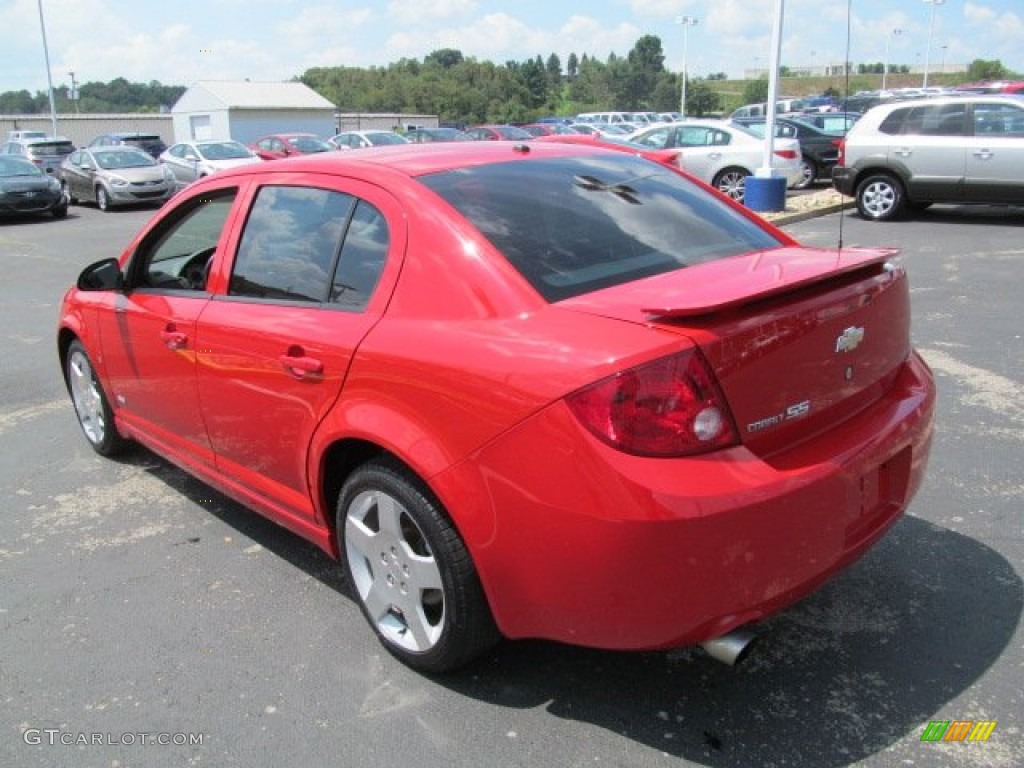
(246, 111)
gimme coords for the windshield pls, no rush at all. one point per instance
(573, 225)
(123, 158)
(308, 144)
(379, 139)
(223, 150)
(17, 166)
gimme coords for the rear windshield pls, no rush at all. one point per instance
(53, 148)
(573, 225)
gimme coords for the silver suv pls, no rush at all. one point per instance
(47, 154)
(907, 155)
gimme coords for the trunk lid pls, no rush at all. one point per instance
(800, 339)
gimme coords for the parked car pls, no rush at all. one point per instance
(25, 134)
(819, 151)
(363, 139)
(547, 129)
(722, 154)
(992, 86)
(191, 160)
(47, 154)
(433, 135)
(532, 391)
(149, 143)
(112, 176)
(906, 155)
(25, 189)
(833, 123)
(498, 133)
(614, 130)
(287, 144)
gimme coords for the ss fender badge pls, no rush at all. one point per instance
(849, 339)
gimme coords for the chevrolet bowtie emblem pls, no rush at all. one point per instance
(849, 339)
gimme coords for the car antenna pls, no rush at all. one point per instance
(846, 101)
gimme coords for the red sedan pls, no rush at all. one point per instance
(520, 390)
(283, 145)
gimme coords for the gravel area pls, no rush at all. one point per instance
(808, 205)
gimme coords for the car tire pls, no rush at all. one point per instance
(92, 408)
(808, 173)
(61, 211)
(410, 571)
(880, 197)
(102, 199)
(731, 182)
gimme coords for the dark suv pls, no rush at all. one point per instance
(147, 142)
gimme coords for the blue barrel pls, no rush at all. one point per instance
(765, 193)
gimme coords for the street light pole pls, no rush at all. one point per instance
(687, 22)
(885, 67)
(73, 95)
(49, 78)
(931, 27)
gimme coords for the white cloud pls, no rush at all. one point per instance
(416, 12)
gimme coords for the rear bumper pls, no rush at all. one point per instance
(843, 179)
(578, 543)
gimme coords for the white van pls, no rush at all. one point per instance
(782, 107)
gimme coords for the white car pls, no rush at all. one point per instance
(362, 139)
(191, 160)
(721, 154)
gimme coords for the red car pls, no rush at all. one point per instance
(498, 133)
(283, 145)
(523, 390)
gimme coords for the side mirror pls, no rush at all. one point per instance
(104, 275)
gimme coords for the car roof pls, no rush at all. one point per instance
(418, 159)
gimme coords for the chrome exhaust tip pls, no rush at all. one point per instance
(730, 648)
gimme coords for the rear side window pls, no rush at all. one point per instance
(998, 119)
(309, 244)
(575, 225)
(930, 120)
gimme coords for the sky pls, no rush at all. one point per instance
(181, 42)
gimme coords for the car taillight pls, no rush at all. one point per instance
(670, 407)
(788, 154)
(841, 144)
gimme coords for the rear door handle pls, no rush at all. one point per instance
(301, 366)
(983, 154)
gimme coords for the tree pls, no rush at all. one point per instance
(700, 98)
(756, 91)
(645, 65)
(979, 69)
(446, 58)
(572, 66)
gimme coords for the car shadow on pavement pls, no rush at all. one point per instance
(863, 663)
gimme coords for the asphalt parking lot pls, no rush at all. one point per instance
(145, 620)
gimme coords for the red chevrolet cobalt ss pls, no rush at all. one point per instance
(518, 390)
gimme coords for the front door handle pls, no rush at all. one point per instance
(174, 339)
